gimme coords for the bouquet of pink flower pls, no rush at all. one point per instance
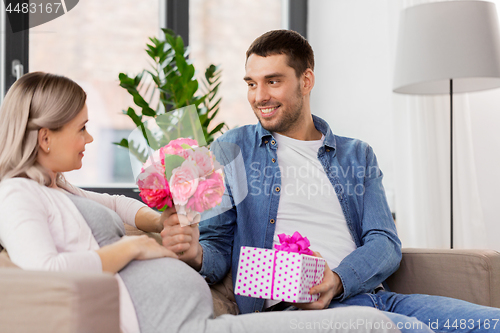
(184, 175)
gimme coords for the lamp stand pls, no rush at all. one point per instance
(451, 163)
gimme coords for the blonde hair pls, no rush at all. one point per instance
(37, 100)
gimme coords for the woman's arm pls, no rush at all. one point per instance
(148, 220)
(131, 211)
(33, 244)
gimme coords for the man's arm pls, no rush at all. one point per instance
(217, 238)
(380, 252)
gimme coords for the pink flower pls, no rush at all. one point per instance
(153, 159)
(208, 194)
(204, 160)
(184, 182)
(153, 186)
(174, 147)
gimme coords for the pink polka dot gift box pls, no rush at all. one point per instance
(278, 274)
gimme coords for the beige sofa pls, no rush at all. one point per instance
(67, 302)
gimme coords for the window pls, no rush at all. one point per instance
(92, 44)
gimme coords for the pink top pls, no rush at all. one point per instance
(42, 229)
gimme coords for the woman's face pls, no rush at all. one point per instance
(68, 144)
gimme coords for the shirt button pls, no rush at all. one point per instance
(277, 189)
(273, 142)
(273, 160)
(271, 221)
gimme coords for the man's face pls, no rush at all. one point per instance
(274, 92)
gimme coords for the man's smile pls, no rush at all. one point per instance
(268, 111)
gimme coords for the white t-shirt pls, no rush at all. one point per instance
(308, 202)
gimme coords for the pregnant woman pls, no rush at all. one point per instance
(48, 224)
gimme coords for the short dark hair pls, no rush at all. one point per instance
(299, 52)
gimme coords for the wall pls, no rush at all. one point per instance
(485, 120)
(353, 87)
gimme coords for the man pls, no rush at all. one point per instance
(329, 188)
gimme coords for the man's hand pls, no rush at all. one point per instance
(184, 241)
(330, 287)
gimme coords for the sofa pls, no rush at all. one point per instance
(33, 301)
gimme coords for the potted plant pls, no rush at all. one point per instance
(169, 85)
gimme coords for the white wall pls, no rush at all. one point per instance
(485, 117)
(353, 88)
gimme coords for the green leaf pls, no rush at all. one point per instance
(189, 72)
(172, 162)
(209, 73)
(138, 78)
(213, 92)
(141, 155)
(213, 114)
(125, 80)
(216, 129)
(135, 118)
(139, 101)
(150, 138)
(123, 143)
(215, 105)
(170, 40)
(168, 31)
(181, 63)
(179, 46)
(155, 78)
(148, 112)
(203, 118)
(197, 101)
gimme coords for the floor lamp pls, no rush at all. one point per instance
(446, 48)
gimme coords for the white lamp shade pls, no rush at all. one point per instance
(440, 41)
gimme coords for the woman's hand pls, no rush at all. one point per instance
(117, 255)
(148, 248)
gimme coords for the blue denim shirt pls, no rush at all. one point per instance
(351, 167)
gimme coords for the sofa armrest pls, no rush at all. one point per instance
(53, 302)
(469, 275)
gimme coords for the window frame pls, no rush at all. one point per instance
(14, 46)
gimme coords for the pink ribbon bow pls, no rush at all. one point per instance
(296, 243)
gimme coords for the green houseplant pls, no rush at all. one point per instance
(170, 84)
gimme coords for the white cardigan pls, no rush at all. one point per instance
(42, 229)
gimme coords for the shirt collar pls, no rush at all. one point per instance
(323, 127)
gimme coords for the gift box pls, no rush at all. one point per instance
(278, 275)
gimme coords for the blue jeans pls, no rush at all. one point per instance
(424, 313)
